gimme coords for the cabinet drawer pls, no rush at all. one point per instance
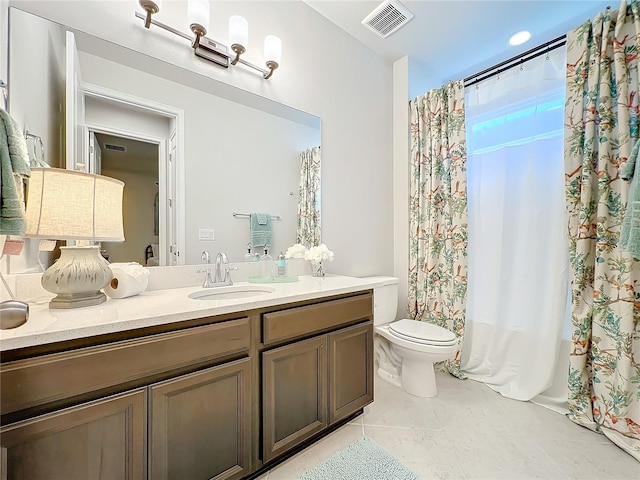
(37, 381)
(300, 321)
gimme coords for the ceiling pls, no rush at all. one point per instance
(453, 39)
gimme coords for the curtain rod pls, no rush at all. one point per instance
(507, 64)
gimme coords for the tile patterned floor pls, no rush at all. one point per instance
(471, 432)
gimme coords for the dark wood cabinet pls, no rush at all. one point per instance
(350, 370)
(220, 397)
(99, 440)
(294, 394)
(200, 424)
(312, 384)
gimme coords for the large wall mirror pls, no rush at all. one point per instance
(191, 150)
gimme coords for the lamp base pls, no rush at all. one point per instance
(77, 277)
(77, 300)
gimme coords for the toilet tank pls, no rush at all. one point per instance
(385, 300)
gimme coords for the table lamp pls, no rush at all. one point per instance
(70, 205)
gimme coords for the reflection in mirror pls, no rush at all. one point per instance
(235, 151)
(136, 164)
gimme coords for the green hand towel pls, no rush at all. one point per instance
(630, 233)
(260, 233)
(14, 168)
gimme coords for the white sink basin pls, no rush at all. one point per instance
(231, 292)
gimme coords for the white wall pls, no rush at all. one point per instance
(324, 71)
(38, 88)
(4, 41)
(401, 116)
(421, 79)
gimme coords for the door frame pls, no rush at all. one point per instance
(176, 117)
(161, 143)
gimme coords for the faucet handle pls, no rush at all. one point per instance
(227, 275)
(208, 281)
(205, 257)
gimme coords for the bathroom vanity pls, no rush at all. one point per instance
(163, 386)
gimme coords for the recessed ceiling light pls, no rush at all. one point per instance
(519, 38)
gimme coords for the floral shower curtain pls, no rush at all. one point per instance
(601, 126)
(308, 229)
(438, 212)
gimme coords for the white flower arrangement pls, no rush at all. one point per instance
(319, 254)
(314, 254)
(296, 251)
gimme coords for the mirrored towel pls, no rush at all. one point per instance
(261, 233)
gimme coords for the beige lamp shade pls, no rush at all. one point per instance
(69, 205)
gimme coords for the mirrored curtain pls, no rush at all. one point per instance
(602, 115)
(308, 229)
(438, 211)
(518, 263)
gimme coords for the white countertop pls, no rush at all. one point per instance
(159, 307)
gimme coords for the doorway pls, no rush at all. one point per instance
(141, 142)
(135, 163)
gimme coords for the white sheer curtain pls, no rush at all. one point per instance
(518, 261)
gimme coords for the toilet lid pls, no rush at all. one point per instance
(422, 332)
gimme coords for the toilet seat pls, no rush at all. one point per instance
(422, 332)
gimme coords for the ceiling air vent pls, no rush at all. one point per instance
(116, 148)
(387, 18)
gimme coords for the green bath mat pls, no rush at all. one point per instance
(362, 460)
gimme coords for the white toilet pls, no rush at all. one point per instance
(405, 350)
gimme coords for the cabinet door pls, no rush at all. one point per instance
(200, 425)
(350, 370)
(103, 439)
(294, 394)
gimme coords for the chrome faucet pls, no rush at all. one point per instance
(206, 258)
(221, 259)
(219, 280)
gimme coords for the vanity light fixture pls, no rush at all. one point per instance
(214, 51)
(70, 205)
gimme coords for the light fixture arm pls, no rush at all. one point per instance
(238, 50)
(150, 7)
(166, 27)
(271, 65)
(202, 48)
(199, 31)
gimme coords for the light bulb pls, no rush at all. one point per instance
(272, 49)
(198, 11)
(238, 31)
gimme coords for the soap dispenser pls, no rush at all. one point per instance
(282, 265)
(266, 261)
(249, 257)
